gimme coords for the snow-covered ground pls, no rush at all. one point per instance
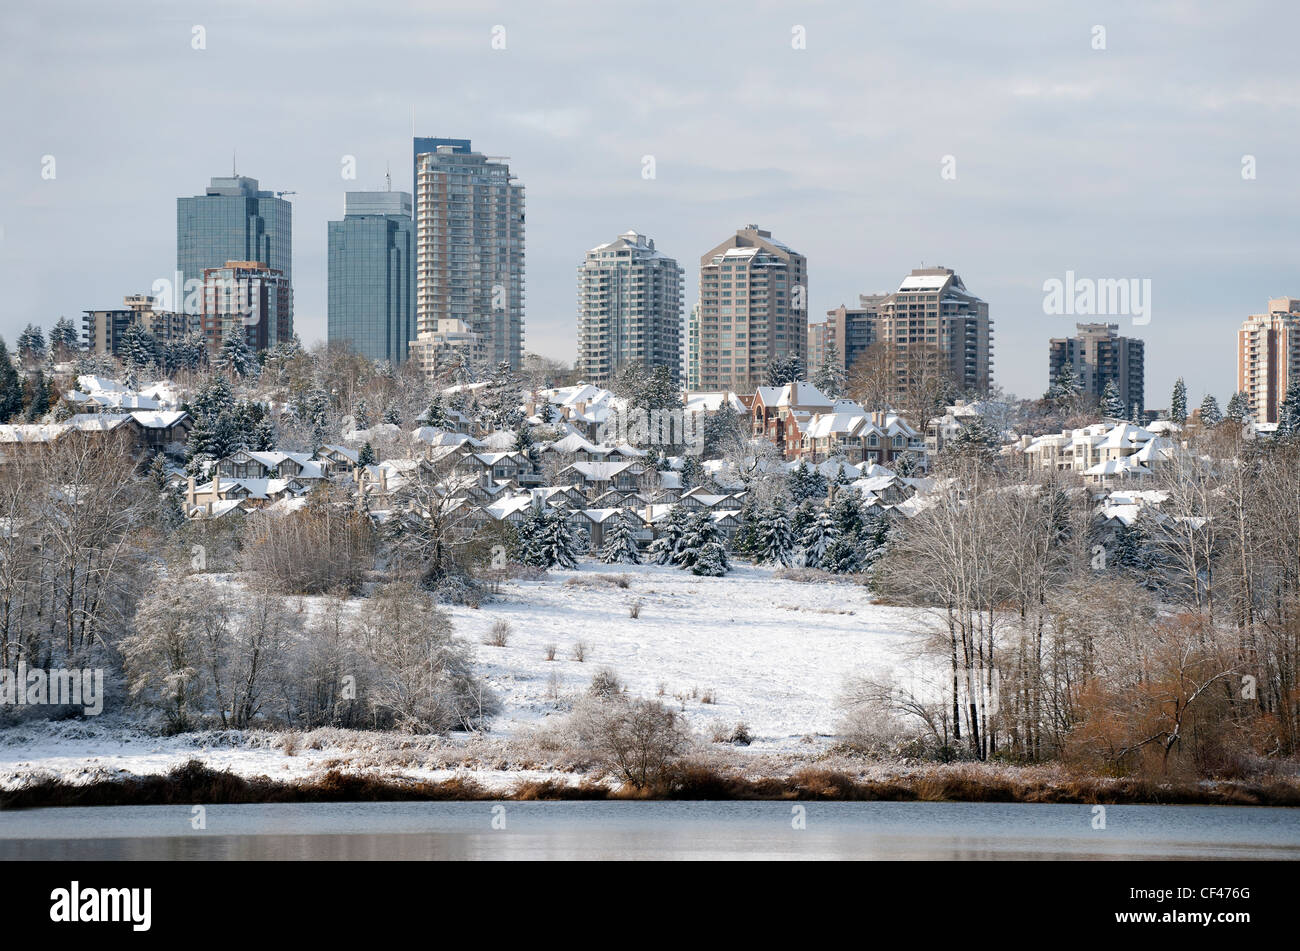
(771, 653)
(748, 647)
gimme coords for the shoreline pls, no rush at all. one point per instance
(197, 783)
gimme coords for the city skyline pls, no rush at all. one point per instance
(1049, 176)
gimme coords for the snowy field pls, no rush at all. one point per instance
(747, 647)
(771, 653)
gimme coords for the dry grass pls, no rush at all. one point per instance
(193, 782)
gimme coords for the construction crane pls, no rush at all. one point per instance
(282, 194)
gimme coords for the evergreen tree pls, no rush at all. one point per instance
(392, 415)
(775, 540)
(781, 372)
(848, 514)
(361, 416)
(64, 340)
(620, 543)
(663, 549)
(436, 414)
(874, 540)
(745, 542)
(806, 483)
(830, 377)
(1238, 409)
(1178, 403)
(976, 440)
(1288, 419)
(38, 396)
(11, 388)
(1111, 404)
(501, 402)
(31, 345)
(1066, 389)
(692, 472)
(843, 555)
(138, 348)
(805, 513)
(547, 540)
(366, 457)
(1210, 413)
(712, 561)
(1131, 550)
(235, 357)
(818, 536)
(699, 537)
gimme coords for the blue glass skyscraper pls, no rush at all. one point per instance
(371, 270)
(232, 221)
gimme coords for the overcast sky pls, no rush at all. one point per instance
(1123, 162)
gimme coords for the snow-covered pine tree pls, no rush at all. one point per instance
(31, 345)
(11, 388)
(64, 339)
(361, 415)
(366, 457)
(848, 514)
(1238, 408)
(619, 546)
(1178, 403)
(544, 539)
(668, 535)
(1288, 418)
(692, 472)
(700, 533)
(775, 540)
(711, 561)
(1111, 404)
(235, 356)
(873, 540)
(817, 536)
(830, 377)
(1211, 415)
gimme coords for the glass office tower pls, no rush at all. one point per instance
(233, 221)
(371, 269)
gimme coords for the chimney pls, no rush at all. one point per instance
(383, 480)
(189, 493)
(216, 486)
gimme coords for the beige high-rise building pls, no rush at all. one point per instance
(932, 308)
(1268, 357)
(753, 310)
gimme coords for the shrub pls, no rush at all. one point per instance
(499, 635)
(605, 685)
(640, 741)
(550, 651)
(580, 651)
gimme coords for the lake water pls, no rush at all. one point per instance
(652, 830)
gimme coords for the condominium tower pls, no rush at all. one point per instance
(629, 309)
(1100, 357)
(932, 316)
(469, 223)
(1268, 357)
(753, 310)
